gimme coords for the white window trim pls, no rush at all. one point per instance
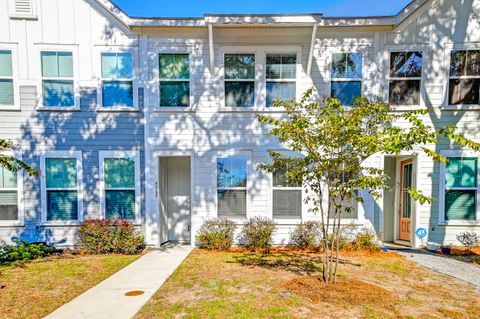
(155, 85)
(449, 47)
(98, 75)
(61, 154)
(441, 203)
(15, 78)
(21, 209)
(71, 48)
(396, 48)
(135, 155)
(247, 155)
(260, 53)
(298, 65)
(332, 79)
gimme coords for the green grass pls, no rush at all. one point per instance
(39, 287)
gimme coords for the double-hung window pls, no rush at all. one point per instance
(346, 77)
(239, 80)
(8, 195)
(6, 79)
(62, 186)
(174, 80)
(281, 77)
(464, 83)
(57, 79)
(405, 78)
(117, 80)
(232, 187)
(461, 187)
(286, 197)
(121, 182)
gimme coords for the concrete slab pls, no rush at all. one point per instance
(108, 300)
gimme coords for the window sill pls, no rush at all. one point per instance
(272, 109)
(406, 108)
(117, 109)
(460, 223)
(61, 223)
(13, 223)
(58, 109)
(24, 17)
(13, 108)
(287, 221)
(461, 107)
(168, 109)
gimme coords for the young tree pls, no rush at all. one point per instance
(11, 163)
(335, 143)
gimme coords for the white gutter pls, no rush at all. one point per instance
(312, 44)
(211, 49)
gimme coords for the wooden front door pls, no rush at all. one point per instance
(406, 203)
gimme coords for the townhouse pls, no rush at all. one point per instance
(154, 119)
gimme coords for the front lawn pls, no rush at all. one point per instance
(39, 287)
(284, 285)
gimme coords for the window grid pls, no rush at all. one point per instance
(270, 79)
(280, 188)
(9, 190)
(346, 78)
(407, 78)
(69, 80)
(175, 79)
(123, 80)
(464, 77)
(240, 80)
(6, 79)
(224, 188)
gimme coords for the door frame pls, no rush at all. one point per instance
(404, 163)
(156, 187)
(414, 222)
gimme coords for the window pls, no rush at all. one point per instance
(405, 78)
(346, 76)
(464, 83)
(174, 80)
(6, 78)
(57, 79)
(286, 197)
(117, 83)
(8, 195)
(62, 186)
(239, 80)
(461, 188)
(121, 181)
(232, 187)
(281, 77)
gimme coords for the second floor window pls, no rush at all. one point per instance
(174, 80)
(464, 83)
(57, 79)
(405, 78)
(346, 76)
(117, 82)
(6, 78)
(281, 77)
(239, 80)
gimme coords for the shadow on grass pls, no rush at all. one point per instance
(298, 263)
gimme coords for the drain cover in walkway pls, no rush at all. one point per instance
(134, 293)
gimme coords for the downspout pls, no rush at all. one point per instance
(211, 48)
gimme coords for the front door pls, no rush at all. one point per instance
(406, 203)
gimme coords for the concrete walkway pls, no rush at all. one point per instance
(445, 265)
(108, 300)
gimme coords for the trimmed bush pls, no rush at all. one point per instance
(469, 239)
(216, 234)
(356, 238)
(306, 235)
(105, 236)
(23, 251)
(257, 233)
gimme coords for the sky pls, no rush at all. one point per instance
(196, 8)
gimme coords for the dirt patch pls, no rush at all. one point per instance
(344, 291)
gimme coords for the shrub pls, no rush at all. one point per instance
(306, 235)
(469, 239)
(104, 236)
(216, 234)
(257, 233)
(355, 238)
(23, 251)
